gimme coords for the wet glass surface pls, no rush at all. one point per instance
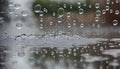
(59, 34)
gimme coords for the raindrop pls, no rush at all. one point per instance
(107, 8)
(24, 13)
(68, 15)
(111, 10)
(115, 22)
(64, 6)
(41, 13)
(90, 6)
(41, 26)
(103, 11)
(98, 13)
(60, 12)
(54, 14)
(19, 25)
(107, 1)
(97, 5)
(117, 12)
(10, 11)
(37, 8)
(78, 3)
(81, 11)
(45, 10)
(69, 25)
(17, 6)
(97, 19)
(51, 23)
(81, 25)
(59, 20)
(71, 6)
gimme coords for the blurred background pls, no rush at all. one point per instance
(55, 34)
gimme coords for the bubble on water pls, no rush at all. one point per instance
(41, 13)
(98, 13)
(107, 1)
(107, 8)
(60, 12)
(81, 11)
(24, 13)
(115, 22)
(117, 12)
(17, 6)
(97, 5)
(19, 25)
(37, 8)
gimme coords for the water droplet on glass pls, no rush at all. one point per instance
(64, 6)
(107, 1)
(60, 12)
(41, 26)
(98, 13)
(111, 10)
(97, 19)
(97, 5)
(24, 13)
(41, 13)
(81, 11)
(59, 20)
(37, 8)
(19, 25)
(103, 11)
(115, 22)
(107, 8)
(45, 10)
(117, 12)
(17, 6)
